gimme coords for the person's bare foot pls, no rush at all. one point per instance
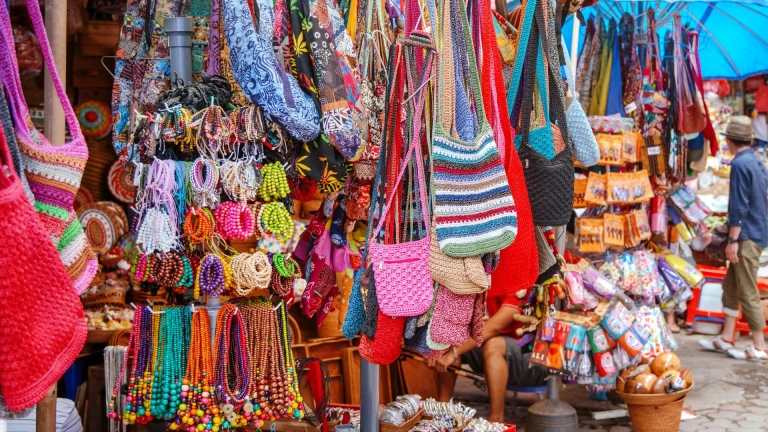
(673, 327)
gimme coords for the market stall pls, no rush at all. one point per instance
(290, 209)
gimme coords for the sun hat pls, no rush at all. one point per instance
(739, 129)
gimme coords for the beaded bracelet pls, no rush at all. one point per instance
(275, 183)
(204, 176)
(276, 220)
(234, 221)
(283, 277)
(213, 276)
(250, 272)
(199, 225)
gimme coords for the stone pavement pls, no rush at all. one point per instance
(729, 395)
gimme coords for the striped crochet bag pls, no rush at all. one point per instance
(53, 172)
(474, 209)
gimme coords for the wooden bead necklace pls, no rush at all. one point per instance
(231, 386)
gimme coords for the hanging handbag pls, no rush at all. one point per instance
(474, 209)
(518, 264)
(401, 271)
(43, 322)
(53, 172)
(584, 142)
(691, 114)
(548, 174)
(256, 69)
(461, 276)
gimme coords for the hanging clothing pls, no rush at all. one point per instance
(614, 104)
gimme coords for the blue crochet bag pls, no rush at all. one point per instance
(584, 143)
(261, 78)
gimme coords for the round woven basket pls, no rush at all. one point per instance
(655, 413)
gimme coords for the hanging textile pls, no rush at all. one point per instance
(630, 68)
(614, 103)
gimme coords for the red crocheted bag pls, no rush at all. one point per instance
(518, 265)
(386, 347)
(43, 326)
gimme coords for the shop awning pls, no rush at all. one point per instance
(733, 41)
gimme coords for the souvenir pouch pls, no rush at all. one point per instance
(632, 235)
(573, 347)
(579, 193)
(591, 235)
(632, 342)
(690, 105)
(256, 69)
(597, 283)
(629, 274)
(632, 143)
(614, 229)
(53, 172)
(474, 209)
(688, 272)
(584, 143)
(640, 224)
(404, 286)
(610, 148)
(596, 189)
(451, 318)
(674, 282)
(540, 353)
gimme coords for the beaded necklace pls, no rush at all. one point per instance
(128, 417)
(231, 386)
(295, 407)
(198, 405)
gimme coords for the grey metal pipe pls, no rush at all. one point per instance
(179, 32)
(369, 396)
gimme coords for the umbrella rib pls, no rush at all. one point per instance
(752, 32)
(751, 9)
(725, 53)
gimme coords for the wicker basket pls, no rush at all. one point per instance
(112, 296)
(655, 413)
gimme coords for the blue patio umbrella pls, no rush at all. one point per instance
(733, 34)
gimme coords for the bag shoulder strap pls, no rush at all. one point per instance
(14, 87)
(446, 75)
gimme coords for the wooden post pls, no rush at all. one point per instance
(56, 27)
(46, 412)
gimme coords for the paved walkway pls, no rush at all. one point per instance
(729, 395)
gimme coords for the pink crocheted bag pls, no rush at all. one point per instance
(53, 171)
(452, 317)
(404, 286)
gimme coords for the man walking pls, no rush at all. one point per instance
(748, 236)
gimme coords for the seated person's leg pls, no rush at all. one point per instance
(496, 375)
(446, 382)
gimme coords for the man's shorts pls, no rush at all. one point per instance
(520, 374)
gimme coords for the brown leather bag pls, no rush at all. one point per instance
(715, 250)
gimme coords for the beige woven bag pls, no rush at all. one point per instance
(460, 275)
